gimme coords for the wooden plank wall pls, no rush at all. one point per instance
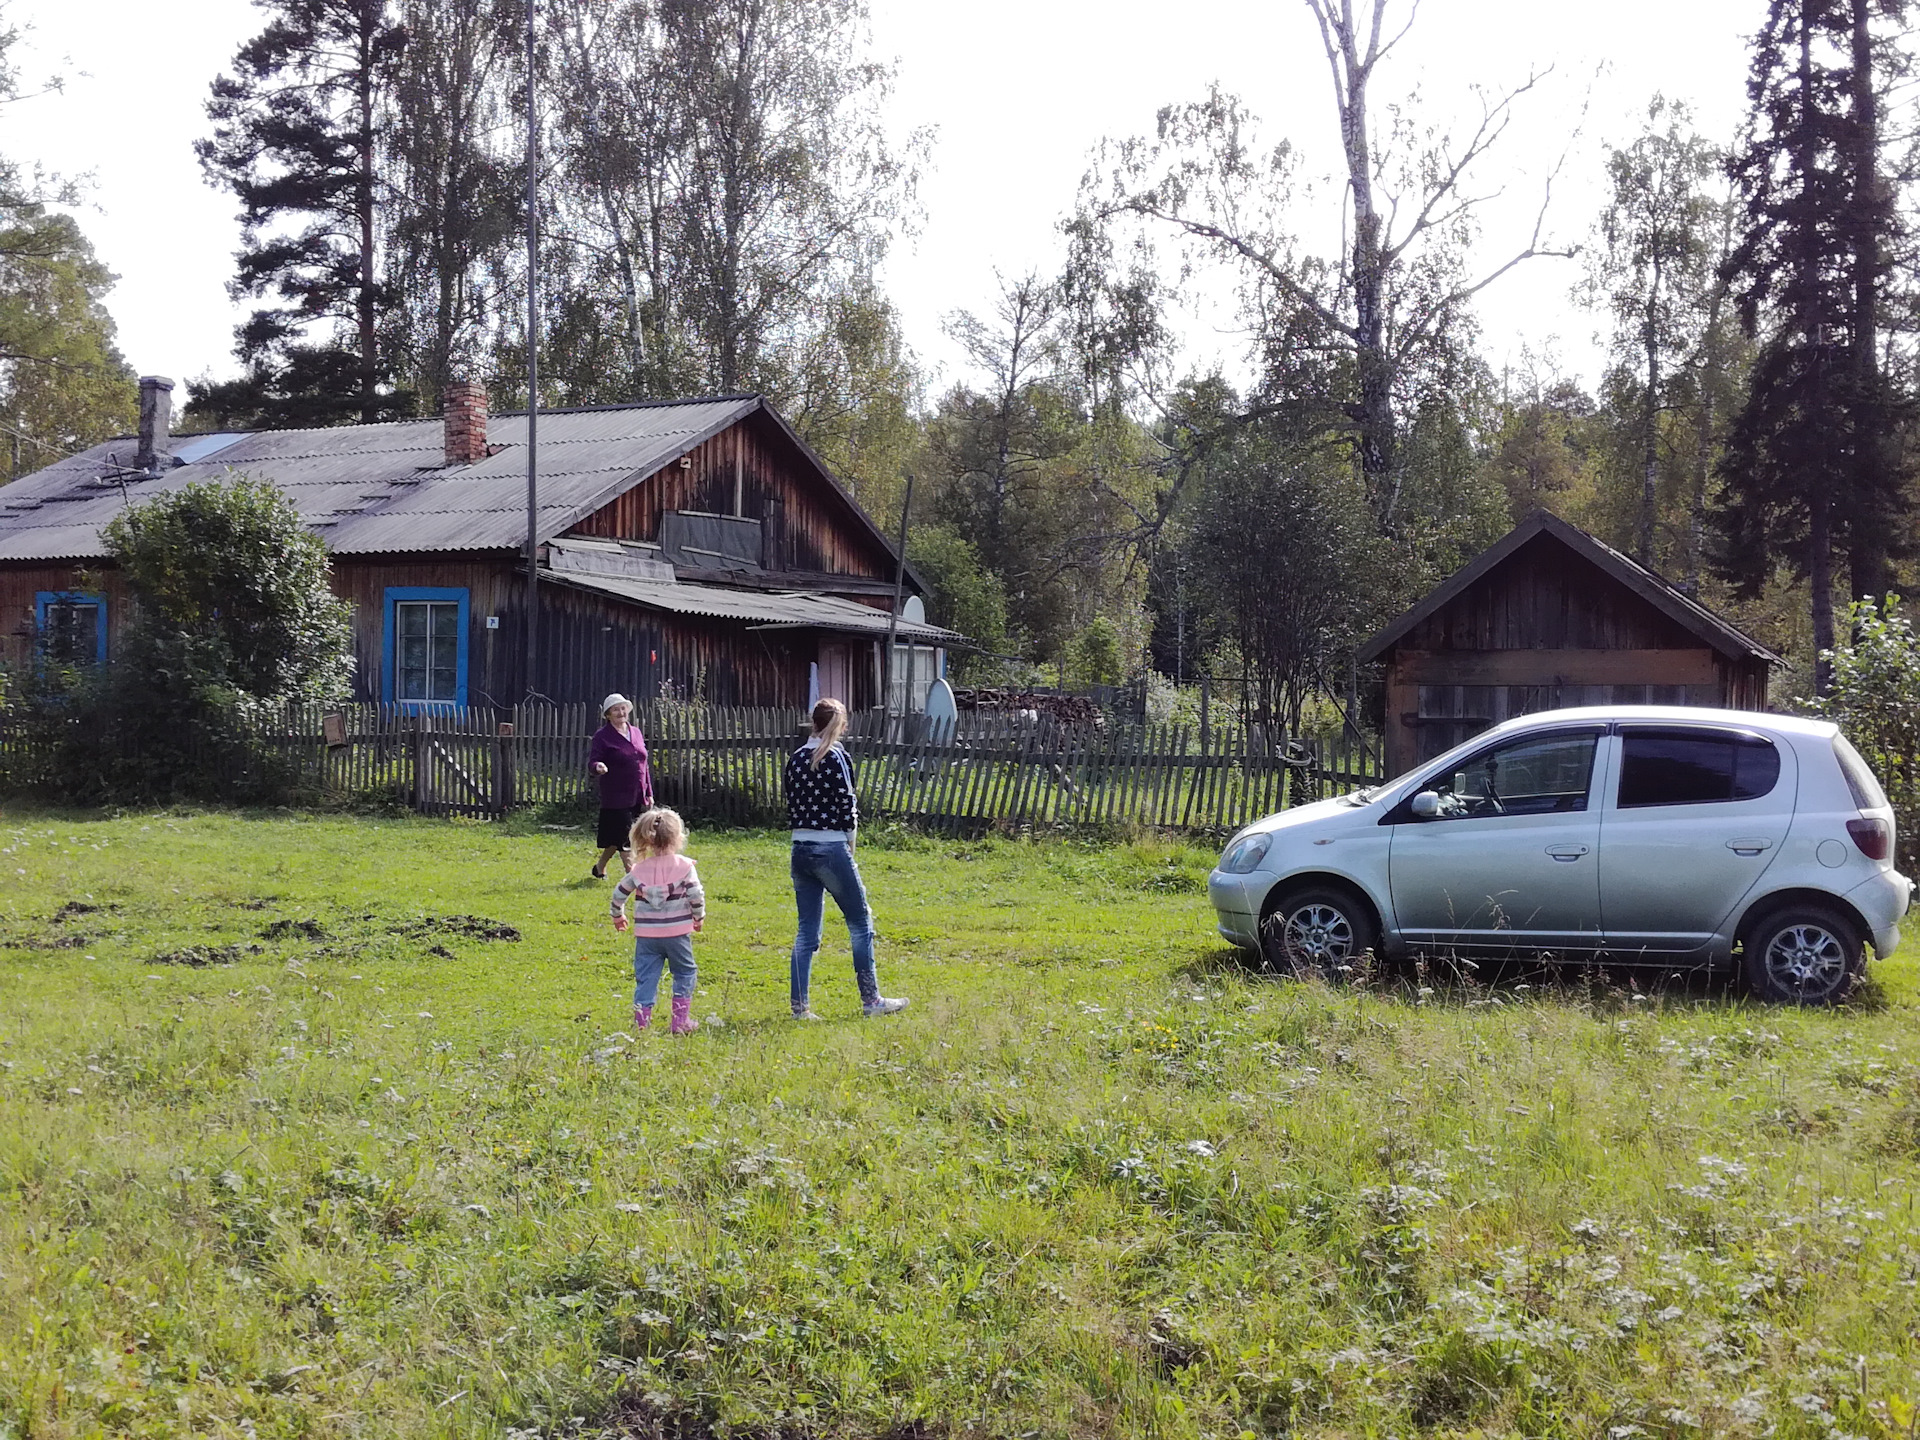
(814, 528)
(1546, 597)
(589, 644)
(1546, 630)
(19, 587)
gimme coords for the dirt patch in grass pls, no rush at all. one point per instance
(201, 956)
(294, 930)
(466, 927)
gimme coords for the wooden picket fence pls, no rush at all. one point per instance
(987, 771)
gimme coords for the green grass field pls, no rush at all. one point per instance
(365, 1172)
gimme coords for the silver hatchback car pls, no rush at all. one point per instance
(1655, 835)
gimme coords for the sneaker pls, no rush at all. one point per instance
(879, 1006)
(804, 1013)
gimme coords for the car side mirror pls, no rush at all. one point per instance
(1425, 806)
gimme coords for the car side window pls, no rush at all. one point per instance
(1538, 775)
(1694, 767)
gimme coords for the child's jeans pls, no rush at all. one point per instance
(650, 952)
(822, 868)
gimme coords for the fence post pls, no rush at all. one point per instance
(422, 762)
(503, 786)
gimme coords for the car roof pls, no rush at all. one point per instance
(1673, 715)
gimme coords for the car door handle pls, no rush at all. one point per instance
(1749, 847)
(1566, 852)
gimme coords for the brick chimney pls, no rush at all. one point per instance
(464, 412)
(156, 418)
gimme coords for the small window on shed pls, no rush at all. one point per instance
(1695, 767)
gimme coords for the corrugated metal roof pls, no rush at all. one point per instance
(375, 489)
(761, 609)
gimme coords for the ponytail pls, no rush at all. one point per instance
(829, 722)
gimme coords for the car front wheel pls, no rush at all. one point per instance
(1803, 955)
(1322, 931)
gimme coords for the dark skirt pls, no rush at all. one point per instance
(614, 825)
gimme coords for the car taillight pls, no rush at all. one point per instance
(1874, 837)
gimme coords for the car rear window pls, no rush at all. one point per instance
(1695, 767)
(1867, 794)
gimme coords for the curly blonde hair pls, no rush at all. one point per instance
(658, 831)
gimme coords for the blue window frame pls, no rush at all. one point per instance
(72, 626)
(424, 645)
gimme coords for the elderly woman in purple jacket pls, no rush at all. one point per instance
(618, 760)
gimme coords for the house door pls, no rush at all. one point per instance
(836, 673)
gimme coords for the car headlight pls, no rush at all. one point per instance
(1245, 855)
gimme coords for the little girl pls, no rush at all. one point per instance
(669, 905)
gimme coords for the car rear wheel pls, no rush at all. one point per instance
(1320, 931)
(1803, 955)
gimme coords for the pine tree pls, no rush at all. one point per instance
(1807, 469)
(294, 137)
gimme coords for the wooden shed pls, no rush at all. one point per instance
(1550, 617)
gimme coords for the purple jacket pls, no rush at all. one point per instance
(627, 782)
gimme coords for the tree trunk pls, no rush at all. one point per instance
(1650, 426)
(1710, 377)
(1817, 479)
(363, 203)
(1820, 579)
(1374, 415)
(1867, 548)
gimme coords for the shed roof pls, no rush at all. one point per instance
(1664, 596)
(385, 489)
(760, 609)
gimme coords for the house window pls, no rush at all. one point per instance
(72, 626)
(426, 646)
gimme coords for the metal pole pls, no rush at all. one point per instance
(533, 362)
(893, 618)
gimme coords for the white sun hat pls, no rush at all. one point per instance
(614, 699)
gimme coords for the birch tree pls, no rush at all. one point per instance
(1654, 263)
(1380, 315)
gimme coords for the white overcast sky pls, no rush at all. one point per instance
(1019, 92)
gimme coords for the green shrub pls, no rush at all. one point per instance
(1876, 702)
(232, 622)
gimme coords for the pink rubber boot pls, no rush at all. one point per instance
(642, 1016)
(683, 1021)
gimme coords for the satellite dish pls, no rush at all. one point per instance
(913, 612)
(942, 712)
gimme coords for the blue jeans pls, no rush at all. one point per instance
(821, 869)
(652, 951)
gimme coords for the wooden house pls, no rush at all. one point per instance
(1550, 617)
(684, 547)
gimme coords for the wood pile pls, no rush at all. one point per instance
(1062, 709)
